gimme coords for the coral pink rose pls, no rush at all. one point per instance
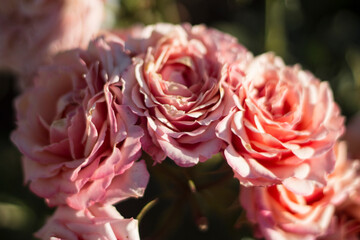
(80, 142)
(97, 222)
(279, 214)
(174, 83)
(282, 214)
(33, 31)
(283, 127)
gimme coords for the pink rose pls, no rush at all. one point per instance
(33, 31)
(281, 214)
(174, 83)
(97, 222)
(345, 180)
(79, 141)
(283, 127)
(345, 183)
(224, 46)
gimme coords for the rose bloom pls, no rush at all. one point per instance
(281, 214)
(79, 141)
(33, 31)
(345, 181)
(174, 85)
(283, 127)
(97, 222)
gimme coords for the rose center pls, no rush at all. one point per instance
(178, 73)
(276, 98)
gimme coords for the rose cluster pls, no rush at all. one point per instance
(185, 93)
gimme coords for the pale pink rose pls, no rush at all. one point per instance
(174, 84)
(33, 31)
(281, 214)
(79, 141)
(95, 223)
(283, 127)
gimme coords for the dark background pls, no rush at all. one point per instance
(323, 36)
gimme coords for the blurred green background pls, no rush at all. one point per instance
(201, 202)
